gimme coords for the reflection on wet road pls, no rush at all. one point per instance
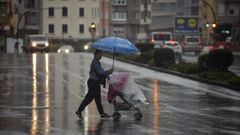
(39, 94)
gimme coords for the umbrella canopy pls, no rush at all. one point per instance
(115, 45)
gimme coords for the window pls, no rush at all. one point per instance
(51, 28)
(64, 28)
(29, 3)
(51, 11)
(119, 32)
(119, 16)
(81, 12)
(94, 12)
(64, 11)
(119, 2)
(3, 9)
(233, 10)
(81, 28)
(32, 18)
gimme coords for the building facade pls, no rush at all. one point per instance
(104, 17)
(28, 17)
(70, 19)
(139, 19)
(188, 7)
(226, 15)
(162, 15)
(228, 20)
(119, 18)
(7, 21)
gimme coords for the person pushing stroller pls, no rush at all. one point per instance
(94, 90)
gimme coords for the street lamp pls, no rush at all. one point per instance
(213, 24)
(26, 12)
(92, 30)
(19, 20)
(211, 8)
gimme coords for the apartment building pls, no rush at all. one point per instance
(228, 19)
(70, 19)
(119, 18)
(227, 11)
(130, 19)
(28, 17)
(188, 7)
(226, 14)
(104, 17)
(5, 8)
(139, 19)
(162, 15)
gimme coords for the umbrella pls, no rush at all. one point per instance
(115, 45)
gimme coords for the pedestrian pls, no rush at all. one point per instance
(16, 46)
(94, 88)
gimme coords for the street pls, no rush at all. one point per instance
(41, 92)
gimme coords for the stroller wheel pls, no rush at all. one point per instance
(116, 116)
(138, 116)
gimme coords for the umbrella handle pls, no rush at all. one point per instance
(113, 60)
(113, 57)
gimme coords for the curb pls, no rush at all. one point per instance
(233, 87)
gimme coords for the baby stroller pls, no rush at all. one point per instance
(122, 87)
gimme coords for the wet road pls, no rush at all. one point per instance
(39, 94)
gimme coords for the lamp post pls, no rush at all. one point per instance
(92, 30)
(26, 12)
(19, 20)
(211, 8)
(213, 24)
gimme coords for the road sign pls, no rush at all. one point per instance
(186, 25)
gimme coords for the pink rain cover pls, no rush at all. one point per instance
(116, 83)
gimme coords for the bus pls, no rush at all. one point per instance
(158, 38)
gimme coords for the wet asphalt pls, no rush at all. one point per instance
(39, 94)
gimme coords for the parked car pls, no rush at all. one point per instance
(192, 44)
(65, 49)
(177, 49)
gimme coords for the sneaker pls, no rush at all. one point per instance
(79, 115)
(105, 115)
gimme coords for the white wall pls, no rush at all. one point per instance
(10, 45)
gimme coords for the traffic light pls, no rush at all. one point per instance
(214, 25)
(207, 25)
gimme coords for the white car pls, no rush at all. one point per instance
(174, 45)
(192, 44)
(65, 49)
